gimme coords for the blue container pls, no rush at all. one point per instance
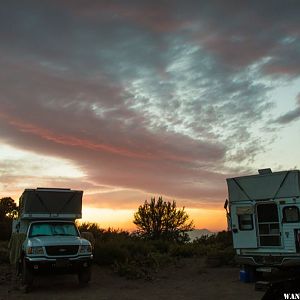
(245, 276)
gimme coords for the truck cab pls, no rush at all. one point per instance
(45, 238)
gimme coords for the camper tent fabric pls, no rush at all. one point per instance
(37, 202)
(261, 187)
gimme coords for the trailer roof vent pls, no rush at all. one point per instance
(264, 171)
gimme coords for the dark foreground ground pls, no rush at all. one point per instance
(187, 280)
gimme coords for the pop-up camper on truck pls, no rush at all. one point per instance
(264, 219)
(45, 237)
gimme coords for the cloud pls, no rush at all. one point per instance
(153, 98)
(291, 115)
(242, 34)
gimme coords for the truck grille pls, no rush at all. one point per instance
(62, 250)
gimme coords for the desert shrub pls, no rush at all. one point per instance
(138, 247)
(162, 259)
(224, 238)
(117, 246)
(109, 252)
(221, 239)
(162, 220)
(93, 228)
(134, 256)
(227, 256)
(139, 267)
(162, 246)
(129, 255)
(114, 234)
(101, 234)
(8, 211)
(4, 258)
(183, 250)
(6, 229)
(217, 248)
(218, 257)
(128, 270)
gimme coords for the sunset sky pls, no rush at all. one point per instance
(132, 99)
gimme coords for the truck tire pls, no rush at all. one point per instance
(84, 276)
(27, 277)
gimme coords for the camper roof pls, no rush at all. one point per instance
(264, 186)
(50, 203)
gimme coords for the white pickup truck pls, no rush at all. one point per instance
(45, 238)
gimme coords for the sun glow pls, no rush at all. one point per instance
(107, 217)
(211, 219)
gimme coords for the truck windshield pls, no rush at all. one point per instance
(53, 228)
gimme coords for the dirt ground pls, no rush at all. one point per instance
(188, 280)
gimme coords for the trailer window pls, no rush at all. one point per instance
(267, 213)
(290, 214)
(245, 222)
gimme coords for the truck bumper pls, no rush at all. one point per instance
(59, 265)
(268, 260)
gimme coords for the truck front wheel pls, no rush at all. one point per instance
(84, 276)
(27, 276)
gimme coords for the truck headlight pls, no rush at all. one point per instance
(35, 250)
(85, 249)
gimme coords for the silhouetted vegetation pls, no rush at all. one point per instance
(217, 248)
(161, 239)
(133, 256)
(162, 220)
(4, 252)
(8, 211)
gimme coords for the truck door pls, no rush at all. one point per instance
(243, 225)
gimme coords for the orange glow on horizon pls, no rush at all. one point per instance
(211, 219)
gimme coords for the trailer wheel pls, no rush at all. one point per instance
(27, 277)
(84, 276)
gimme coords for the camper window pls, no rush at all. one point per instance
(290, 214)
(245, 222)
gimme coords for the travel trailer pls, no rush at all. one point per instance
(45, 238)
(263, 215)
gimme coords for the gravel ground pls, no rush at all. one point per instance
(188, 280)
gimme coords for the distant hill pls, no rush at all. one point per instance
(198, 233)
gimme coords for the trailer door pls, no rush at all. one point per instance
(268, 224)
(243, 225)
